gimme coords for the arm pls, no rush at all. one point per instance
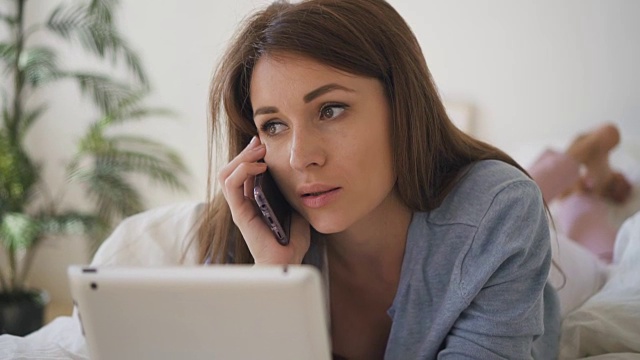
(504, 274)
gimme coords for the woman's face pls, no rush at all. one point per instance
(327, 138)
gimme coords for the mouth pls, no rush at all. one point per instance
(320, 198)
(318, 193)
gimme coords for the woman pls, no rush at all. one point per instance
(435, 244)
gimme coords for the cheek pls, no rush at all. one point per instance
(374, 148)
(277, 160)
(275, 154)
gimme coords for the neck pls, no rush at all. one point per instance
(375, 245)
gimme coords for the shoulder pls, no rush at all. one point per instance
(487, 245)
(159, 236)
(492, 224)
(485, 185)
(496, 206)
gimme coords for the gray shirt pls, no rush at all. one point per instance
(474, 276)
(473, 282)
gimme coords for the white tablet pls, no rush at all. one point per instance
(214, 312)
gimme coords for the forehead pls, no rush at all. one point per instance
(284, 63)
(275, 75)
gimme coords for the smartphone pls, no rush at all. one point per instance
(275, 210)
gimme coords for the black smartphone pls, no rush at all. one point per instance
(275, 210)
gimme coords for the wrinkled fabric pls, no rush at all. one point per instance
(609, 322)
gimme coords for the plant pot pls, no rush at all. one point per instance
(21, 313)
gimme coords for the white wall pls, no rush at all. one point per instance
(532, 69)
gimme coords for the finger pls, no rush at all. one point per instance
(227, 170)
(248, 187)
(252, 153)
(233, 188)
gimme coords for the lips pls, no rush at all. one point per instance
(318, 193)
(317, 196)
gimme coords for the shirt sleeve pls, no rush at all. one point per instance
(503, 277)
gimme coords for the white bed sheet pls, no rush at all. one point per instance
(602, 324)
(609, 322)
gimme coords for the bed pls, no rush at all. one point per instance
(601, 303)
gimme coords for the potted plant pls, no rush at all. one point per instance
(102, 163)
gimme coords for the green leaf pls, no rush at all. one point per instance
(69, 223)
(10, 20)
(160, 167)
(114, 196)
(122, 107)
(133, 62)
(18, 175)
(104, 40)
(141, 113)
(19, 231)
(28, 119)
(103, 9)
(8, 58)
(7, 118)
(147, 158)
(138, 113)
(7, 53)
(94, 142)
(109, 161)
(105, 92)
(39, 65)
(66, 20)
(92, 26)
(139, 142)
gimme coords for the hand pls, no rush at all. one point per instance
(236, 179)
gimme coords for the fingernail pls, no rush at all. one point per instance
(253, 141)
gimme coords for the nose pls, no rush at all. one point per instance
(307, 149)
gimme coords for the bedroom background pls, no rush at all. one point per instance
(524, 74)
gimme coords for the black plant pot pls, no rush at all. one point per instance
(22, 312)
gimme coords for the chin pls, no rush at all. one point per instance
(328, 225)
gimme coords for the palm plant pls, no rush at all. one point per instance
(104, 160)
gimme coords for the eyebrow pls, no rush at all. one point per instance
(323, 90)
(307, 98)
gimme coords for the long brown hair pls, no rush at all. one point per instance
(362, 37)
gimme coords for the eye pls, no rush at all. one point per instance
(272, 128)
(330, 111)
